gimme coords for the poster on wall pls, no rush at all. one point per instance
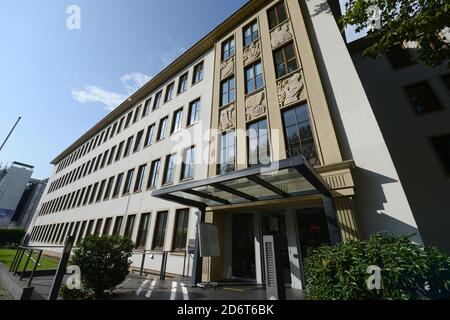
(209, 240)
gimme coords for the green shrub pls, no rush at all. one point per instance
(72, 294)
(11, 236)
(104, 262)
(408, 271)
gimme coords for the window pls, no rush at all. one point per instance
(157, 102)
(228, 48)
(128, 147)
(198, 73)
(105, 157)
(194, 112)
(119, 127)
(98, 227)
(113, 131)
(128, 180)
(422, 98)
(277, 15)
(181, 229)
(129, 226)
(149, 135)
(183, 83)
(94, 192)
(142, 234)
(90, 227)
(118, 185)
(97, 163)
(136, 114)
(188, 165)
(298, 133)
(107, 227)
(258, 143)
(86, 198)
(139, 178)
(227, 153)
(177, 121)
(442, 147)
(119, 151)
(100, 191)
(227, 91)
(137, 143)
(146, 107)
(162, 128)
(169, 169)
(108, 188)
(446, 79)
(117, 226)
(111, 155)
(128, 120)
(253, 77)
(285, 60)
(153, 177)
(251, 33)
(81, 233)
(169, 92)
(160, 231)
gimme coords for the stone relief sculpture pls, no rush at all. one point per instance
(289, 90)
(227, 68)
(227, 118)
(252, 52)
(280, 35)
(255, 106)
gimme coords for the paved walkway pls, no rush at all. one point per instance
(4, 295)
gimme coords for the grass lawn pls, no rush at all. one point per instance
(45, 263)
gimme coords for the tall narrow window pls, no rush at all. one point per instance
(107, 227)
(188, 165)
(129, 226)
(253, 77)
(183, 83)
(90, 228)
(160, 231)
(153, 177)
(277, 15)
(198, 73)
(169, 169)
(128, 120)
(181, 229)
(117, 226)
(118, 185)
(81, 233)
(98, 227)
(119, 127)
(177, 121)
(139, 178)
(93, 194)
(157, 102)
(227, 153)
(258, 143)
(119, 151)
(298, 133)
(227, 91)
(149, 135)
(100, 191)
(146, 109)
(111, 155)
(137, 143)
(137, 112)
(228, 48)
(105, 157)
(251, 33)
(128, 147)
(128, 181)
(422, 98)
(162, 128)
(88, 193)
(194, 112)
(143, 229)
(108, 188)
(442, 147)
(285, 60)
(169, 92)
(113, 131)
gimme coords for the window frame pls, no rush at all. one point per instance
(157, 236)
(184, 231)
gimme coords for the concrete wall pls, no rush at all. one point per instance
(425, 182)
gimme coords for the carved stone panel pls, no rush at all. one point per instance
(255, 106)
(252, 52)
(289, 89)
(281, 34)
(227, 68)
(227, 118)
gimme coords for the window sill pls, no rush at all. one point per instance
(287, 75)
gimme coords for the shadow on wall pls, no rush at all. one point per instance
(323, 7)
(370, 203)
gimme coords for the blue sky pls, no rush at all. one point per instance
(63, 81)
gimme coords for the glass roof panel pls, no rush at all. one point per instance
(289, 180)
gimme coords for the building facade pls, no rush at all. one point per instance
(272, 87)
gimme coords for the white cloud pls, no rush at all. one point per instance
(95, 94)
(134, 81)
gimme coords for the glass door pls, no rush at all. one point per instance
(243, 263)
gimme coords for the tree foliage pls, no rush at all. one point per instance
(421, 21)
(408, 271)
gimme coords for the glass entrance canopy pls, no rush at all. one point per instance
(279, 180)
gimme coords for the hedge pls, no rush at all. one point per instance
(11, 236)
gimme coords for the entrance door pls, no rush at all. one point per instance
(275, 224)
(243, 247)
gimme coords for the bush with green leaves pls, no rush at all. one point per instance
(104, 262)
(408, 271)
(72, 294)
(11, 236)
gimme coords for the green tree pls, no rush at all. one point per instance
(104, 262)
(421, 21)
